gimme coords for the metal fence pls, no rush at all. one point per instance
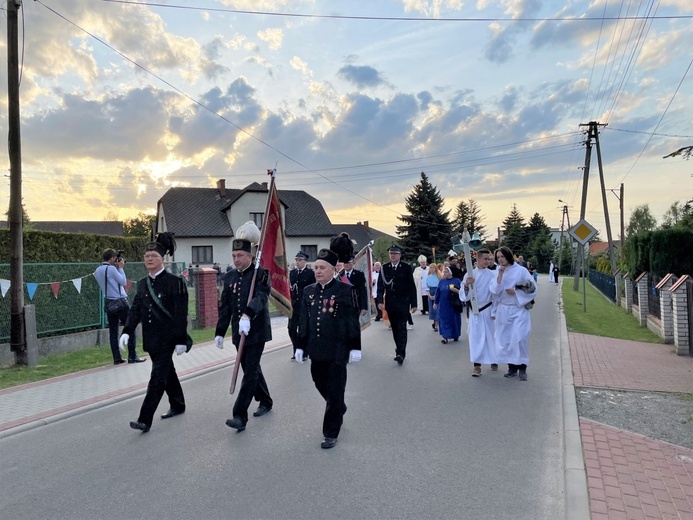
(67, 297)
(636, 298)
(605, 283)
(654, 300)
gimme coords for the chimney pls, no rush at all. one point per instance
(365, 224)
(264, 185)
(221, 186)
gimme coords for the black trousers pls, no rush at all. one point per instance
(114, 321)
(293, 328)
(424, 304)
(253, 384)
(163, 379)
(398, 322)
(379, 314)
(330, 379)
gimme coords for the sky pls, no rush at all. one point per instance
(351, 101)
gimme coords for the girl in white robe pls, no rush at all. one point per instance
(480, 327)
(512, 288)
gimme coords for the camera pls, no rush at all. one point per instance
(119, 256)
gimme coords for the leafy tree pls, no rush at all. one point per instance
(641, 220)
(426, 225)
(139, 226)
(684, 152)
(380, 248)
(565, 262)
(111, 216)
(679, 215)
(515, 231)
(468, 215)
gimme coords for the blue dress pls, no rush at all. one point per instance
(449, 321)
(432, 283)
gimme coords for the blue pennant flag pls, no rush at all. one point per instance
(31, 287)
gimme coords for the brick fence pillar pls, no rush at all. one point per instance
(206, 302)
(665, 305)
(679, 298)
(642, 282)
(629, 292)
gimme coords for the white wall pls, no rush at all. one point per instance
(221, 250)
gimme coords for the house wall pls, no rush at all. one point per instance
(293, 246)
(221, 250)
(248, 203)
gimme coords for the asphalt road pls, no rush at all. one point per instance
(424, 440)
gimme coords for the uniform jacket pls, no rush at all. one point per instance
(234, 303)
(159, 332)
(326, 331)
(398, 287)
(298, 281)
(358, 281)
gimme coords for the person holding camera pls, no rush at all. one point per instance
(112, 280)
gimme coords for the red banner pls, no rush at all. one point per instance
(274, 253)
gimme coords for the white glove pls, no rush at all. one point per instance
(123, 343)
(181, 349)
(244, 325)
(299, 355)
(219, 341)
(354, 356)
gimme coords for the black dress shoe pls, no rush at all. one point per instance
(523, 375)
(119, 362)
(328, 442)
(172, 413)
(135, 425)
(510, 373)
(261, 410)
(236, 423)
(137, 360)
(399, 360)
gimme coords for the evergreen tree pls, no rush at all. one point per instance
(468, 215)
(515, 232)
(426, 224)
(536, 226)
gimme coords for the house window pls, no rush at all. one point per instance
(202, 255)
(311, 251)
(257, 218)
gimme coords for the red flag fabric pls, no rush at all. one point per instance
(55, 287)
(274, 254)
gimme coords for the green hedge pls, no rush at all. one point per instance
(49, 247)
(660, 252)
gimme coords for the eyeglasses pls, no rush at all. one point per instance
(152, 255)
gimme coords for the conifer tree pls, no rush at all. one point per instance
(468, 215)
(426, 225)
(515, 232)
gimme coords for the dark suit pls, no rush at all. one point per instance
(398, 290)
(160, 335)
(326, 334)
(234, 303)
(298, 281)
(357, 280)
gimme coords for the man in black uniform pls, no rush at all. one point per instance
(326, 335)
(397, 287)
(457, 272)
(298, 279)
(236, 310)
(358, 280)
(161, 305)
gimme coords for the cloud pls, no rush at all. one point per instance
(431, 8)
(361, 76)
(273, 37)
(504, 37)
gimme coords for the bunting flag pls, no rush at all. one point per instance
(77, 282)
(55, 287)
(185, 275)
(31, 288)
(4, 287)
(128, 284)
(273, 252)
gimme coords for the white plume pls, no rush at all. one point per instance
(452, 253)
(249, 231)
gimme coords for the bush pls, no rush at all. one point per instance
(660, 252)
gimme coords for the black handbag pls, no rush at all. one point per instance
(116, 305)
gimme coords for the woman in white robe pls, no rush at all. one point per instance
(551, 280)
(513, 288)
(480, 327)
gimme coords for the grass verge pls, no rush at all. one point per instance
(602, 318)
(68, 362)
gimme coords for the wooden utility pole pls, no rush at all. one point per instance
(583, 207)
(15, 214)
(607, 221)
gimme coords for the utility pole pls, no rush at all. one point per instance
(564, 217)
(607, 221)
(619, 196)
(15, 214)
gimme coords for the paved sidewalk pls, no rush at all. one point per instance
(29, 406)
(630, 476)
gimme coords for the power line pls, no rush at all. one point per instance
(393, 18)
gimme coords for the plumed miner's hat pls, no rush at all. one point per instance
(301, 255)
(342, 246)
(164, 244)
(328, 256)
(247, 236)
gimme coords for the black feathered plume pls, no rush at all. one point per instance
(342, 246)
(167, 239)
